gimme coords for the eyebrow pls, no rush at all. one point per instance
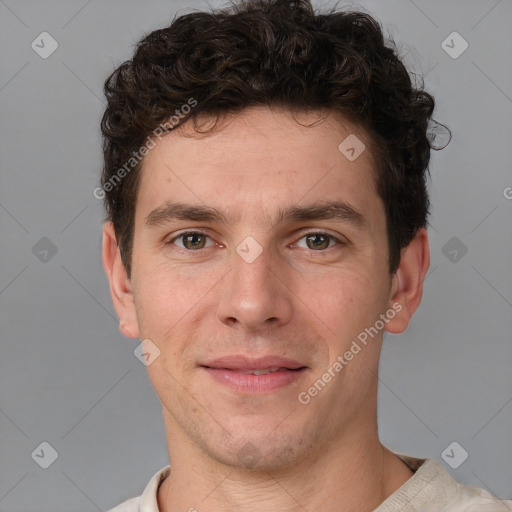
(323, 210)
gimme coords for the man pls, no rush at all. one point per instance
(266, 202)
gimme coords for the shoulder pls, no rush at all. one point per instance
(433, 489)
(466, 498)
(148, 500)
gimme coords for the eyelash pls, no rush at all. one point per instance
(187, 233)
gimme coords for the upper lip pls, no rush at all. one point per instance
(243, 363)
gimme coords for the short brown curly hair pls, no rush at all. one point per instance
(271, 53)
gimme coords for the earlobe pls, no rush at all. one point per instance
(120, 285)
(407, 283)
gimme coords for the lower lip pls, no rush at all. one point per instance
(255, 384)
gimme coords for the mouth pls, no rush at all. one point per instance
(255, 376)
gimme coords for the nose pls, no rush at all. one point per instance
(256, 295)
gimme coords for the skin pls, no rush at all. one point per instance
(295, 300)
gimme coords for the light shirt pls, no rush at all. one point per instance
(430, 489)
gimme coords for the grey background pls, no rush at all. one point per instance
(68, 377)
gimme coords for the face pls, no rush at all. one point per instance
(260, 261)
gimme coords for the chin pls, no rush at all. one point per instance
(257, 449)
(257, 456)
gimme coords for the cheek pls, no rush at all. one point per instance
(345, 299)
(163, 299)
(168, 307)
(349, 302)
(173, 303)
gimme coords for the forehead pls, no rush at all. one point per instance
(259, 160)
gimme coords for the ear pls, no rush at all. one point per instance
(120, 284)
(407, 282)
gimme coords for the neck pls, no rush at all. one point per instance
(355, 475)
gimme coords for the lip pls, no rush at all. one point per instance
(230, 372)
(244, 363)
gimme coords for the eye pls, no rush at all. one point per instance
(318, 241)
(192, 240)
(196, 240)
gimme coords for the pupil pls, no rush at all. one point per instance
(192, 239)
(318, 244)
